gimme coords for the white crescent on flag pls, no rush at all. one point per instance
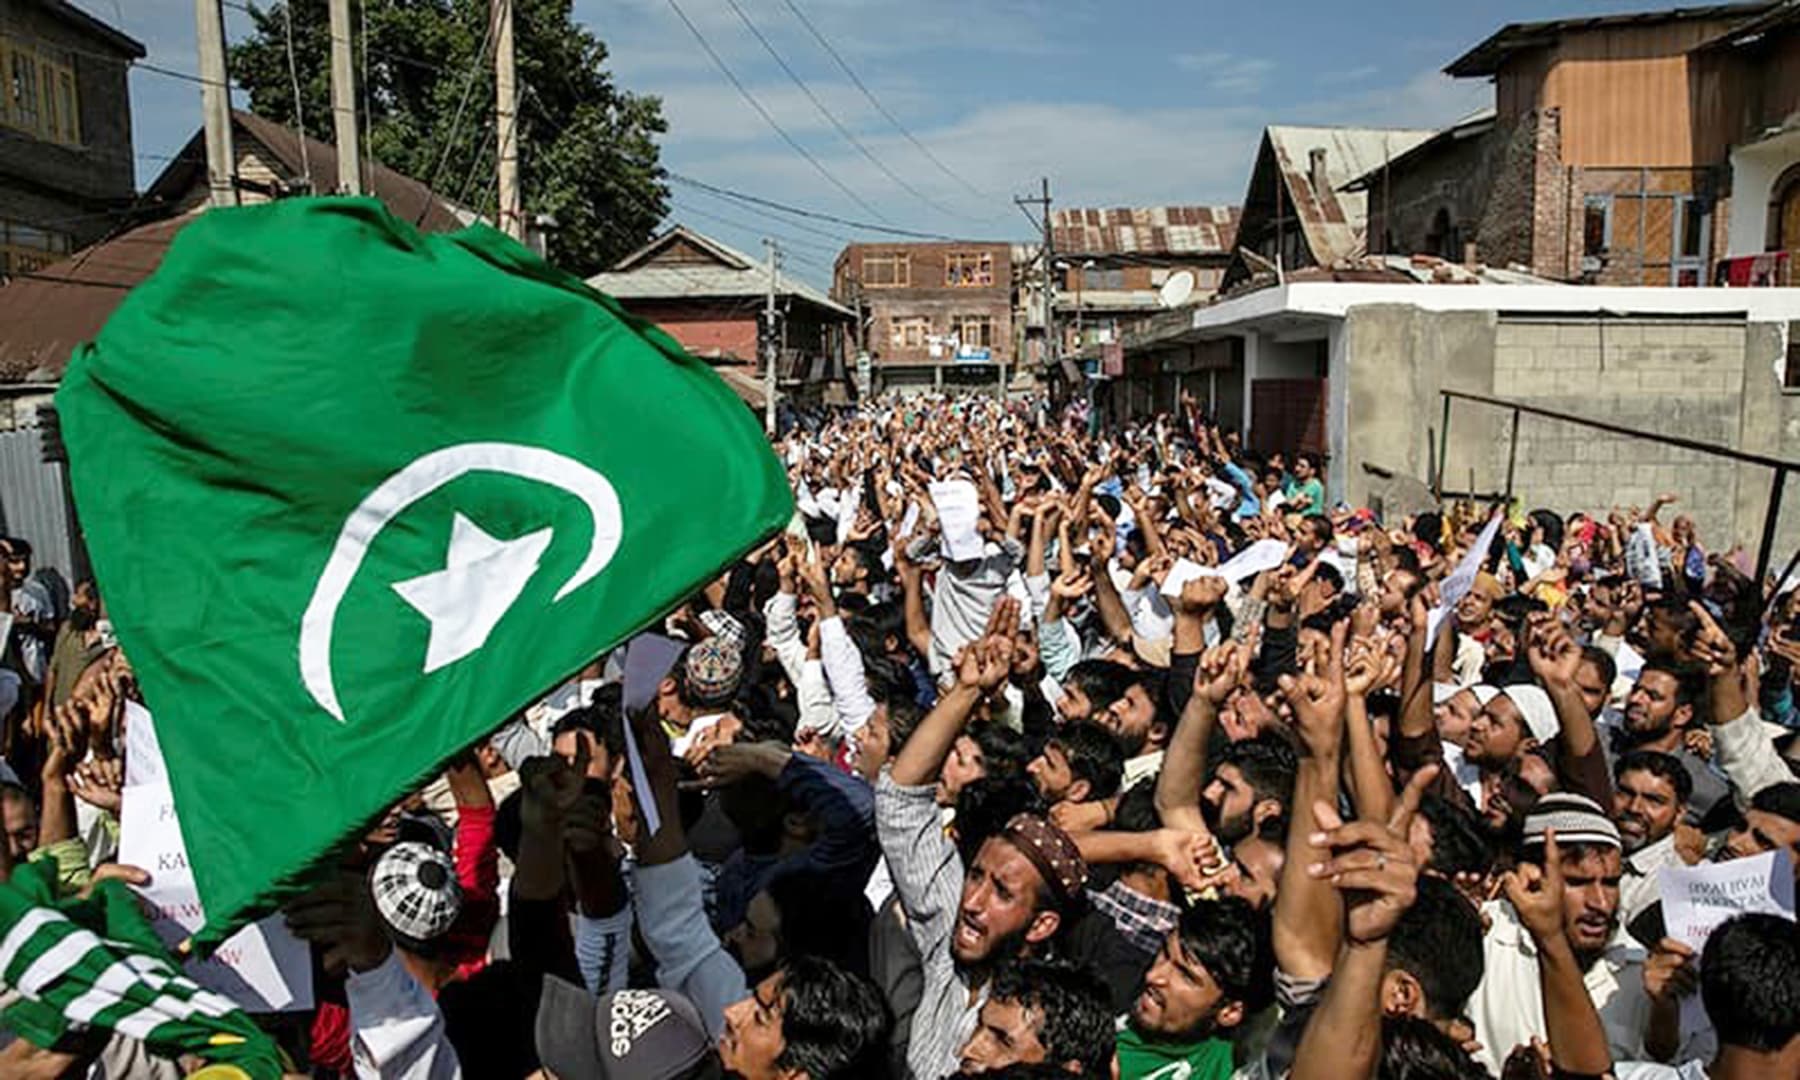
(469, 546)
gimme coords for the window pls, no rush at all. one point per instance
(1596, 230)
(973, 331)
(37, 93)
(910, 331)
(1103, 278)
(968, 269)
(887, 269)
(24, 248)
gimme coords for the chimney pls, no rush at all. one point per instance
(1316, 170)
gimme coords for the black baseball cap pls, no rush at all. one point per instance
(627, 1035)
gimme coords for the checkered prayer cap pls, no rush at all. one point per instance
(1052, 852)
(416, 891)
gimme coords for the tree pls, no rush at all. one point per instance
(588, 150)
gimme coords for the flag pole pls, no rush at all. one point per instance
(772, 348)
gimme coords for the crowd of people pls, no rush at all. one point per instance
(1032, 750)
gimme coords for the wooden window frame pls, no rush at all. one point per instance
(55, 93)
(977, 265)
(898, 262)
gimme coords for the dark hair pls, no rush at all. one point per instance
(1438, 942)
(1690, 682)
(1232, 941)
(871, 629)
(1269, 766)
(1414, 1049)
(833, 1023)
(1330, 574)
(1552, 526)
(1002, 748)
(1322, 532)
(1094, 755)
(1750, 982)
(1600, 658)
(603, 719)
(1136, 811)
(820, 919)
(1075, 1006)
(984, 806)
(18, 546)
(1103, 681)
(1659, 764)
(1782, 800)
(1405, 558)
(1458, 846)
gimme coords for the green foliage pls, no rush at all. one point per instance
(588, 150)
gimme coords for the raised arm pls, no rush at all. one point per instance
(980, 669)
(1308, 918)
(1578, 1043)
(1581, 763)
(1184, 764)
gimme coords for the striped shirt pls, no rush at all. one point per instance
(928, 877)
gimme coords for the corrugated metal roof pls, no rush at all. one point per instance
(1145, 230)
(44, 316)
(1477, 123)
(648, 280)
(1333, 220)
(1487, 57)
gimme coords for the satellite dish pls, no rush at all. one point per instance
(1177, 289)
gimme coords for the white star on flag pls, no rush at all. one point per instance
(481, 579)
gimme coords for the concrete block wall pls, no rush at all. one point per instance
(1673, 377)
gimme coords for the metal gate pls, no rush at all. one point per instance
(34, 503)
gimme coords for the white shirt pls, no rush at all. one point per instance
(1638, 888)
(1508, 1007)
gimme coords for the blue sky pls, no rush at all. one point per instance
(1120, 103)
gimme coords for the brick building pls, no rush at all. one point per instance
(938, 313)
(1619, 150)
(1113, 264)
(711, 297)
(66, 163)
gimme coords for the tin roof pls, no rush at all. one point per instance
(729, 273)
(1145, 230)
(1487, 57)
(1332, 219)
(46, 314)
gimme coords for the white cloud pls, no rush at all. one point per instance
(1227, 73)
(1350, 75)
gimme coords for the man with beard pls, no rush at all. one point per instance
(967, 921)
(1659, 711)
(1650, 789)
(1507, 1008)
(1252, 786)
(1214, 973)
(1042, 1012)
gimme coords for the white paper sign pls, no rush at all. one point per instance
(958, 511)
(263, 967)
(1461, 580)
(143, 754)
(1640, 557)
(909, 523)
(1698, 899)
(1253, 560)
(1184, 571)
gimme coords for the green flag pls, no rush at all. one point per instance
(355, 494)
(96, 963)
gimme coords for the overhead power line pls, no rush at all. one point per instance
(831, 117)
(875, 101)
(816, 215)
(745, 93)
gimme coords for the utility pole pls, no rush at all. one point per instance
(506, 119)
(772, 343)
(343, 101)
(215, 103)
(1052, 343)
